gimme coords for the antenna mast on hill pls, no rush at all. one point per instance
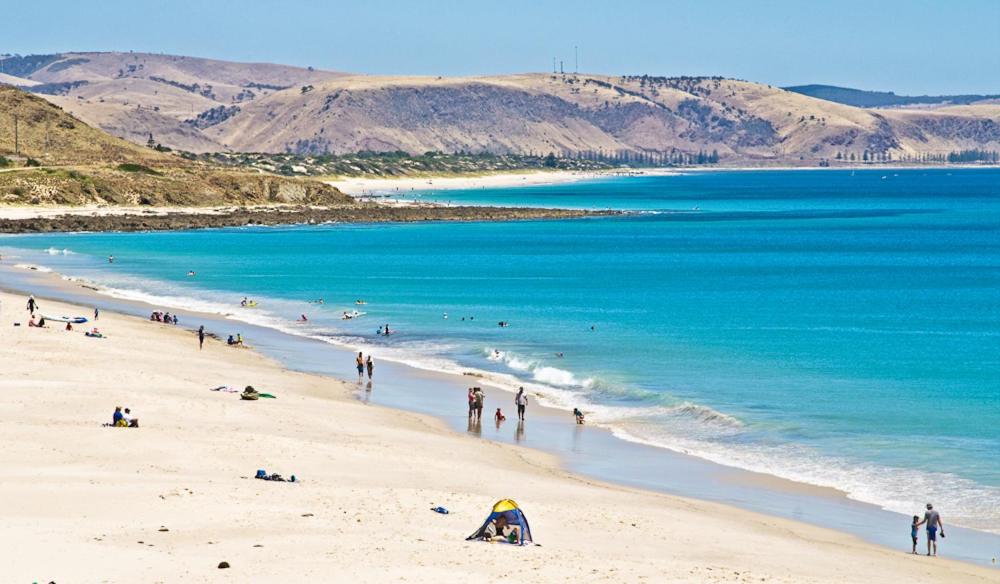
(576, 59)
(553, 64)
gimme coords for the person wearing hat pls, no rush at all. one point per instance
(933, 520)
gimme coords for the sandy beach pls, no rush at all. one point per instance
(387, 186)
(172, 499)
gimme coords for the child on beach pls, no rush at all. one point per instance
(914, 530)
(499, 417)
(579, 415)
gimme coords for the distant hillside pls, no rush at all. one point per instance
(202, 105)
(586, 115)
(50, 157)
(862, 98)
(133, 95)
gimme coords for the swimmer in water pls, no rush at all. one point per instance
(191, 273)
(303, 318)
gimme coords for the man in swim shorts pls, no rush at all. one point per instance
(933, 520)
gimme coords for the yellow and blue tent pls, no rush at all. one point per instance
(514, 516)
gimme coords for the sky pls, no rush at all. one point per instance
(910, 47)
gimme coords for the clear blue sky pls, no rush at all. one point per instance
(915, 46)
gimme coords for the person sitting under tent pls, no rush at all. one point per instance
(508, 522)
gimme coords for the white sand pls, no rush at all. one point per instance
(84, 503)
(361, 186)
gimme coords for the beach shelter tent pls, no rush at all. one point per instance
(515, 517)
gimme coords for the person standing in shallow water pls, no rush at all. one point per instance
(933, 520)
(360, 362)
(370, 364)
(201, 337)
(521, 400)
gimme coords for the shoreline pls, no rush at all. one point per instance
(357, 476)
(363, 186)
(745, 480)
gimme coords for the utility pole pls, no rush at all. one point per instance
(561, 72)
(553, 64)
(576, 59)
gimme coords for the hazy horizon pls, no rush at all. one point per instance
(911, 48)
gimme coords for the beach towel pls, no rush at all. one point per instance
(267, 395)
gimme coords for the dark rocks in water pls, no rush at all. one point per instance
(285, 216)
(223, 565)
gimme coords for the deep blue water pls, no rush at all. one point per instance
(833, 327)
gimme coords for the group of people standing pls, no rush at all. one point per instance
(364, 364)
(477, 399)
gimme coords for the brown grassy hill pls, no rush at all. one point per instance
(204, 105)
(61, 160)
(48, 134)
(133, 94)
(574, 113)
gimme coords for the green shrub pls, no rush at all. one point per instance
(129, 167)
(32, 162)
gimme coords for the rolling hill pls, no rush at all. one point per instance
(202, 105)
(135, 95)
(48, 156)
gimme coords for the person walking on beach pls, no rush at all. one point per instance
(933, 520)
(32, 305)
(360, 361)
(201, 337)
(915, 533)
(521, 401)
(370, 365)
(97, 313)
(472, 402)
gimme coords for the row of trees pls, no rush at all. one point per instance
(641, 157)
(961, 156)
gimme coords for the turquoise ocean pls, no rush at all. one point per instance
(840, 328)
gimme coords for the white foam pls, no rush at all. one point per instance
(684, 427)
